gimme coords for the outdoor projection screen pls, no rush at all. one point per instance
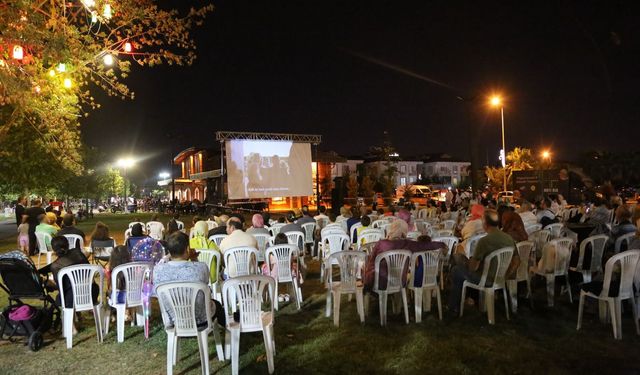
(267, 169)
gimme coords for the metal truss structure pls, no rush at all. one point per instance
(297, 138)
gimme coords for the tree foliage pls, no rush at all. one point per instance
(70, 49)
(388, 155)
(519, 159)
(352, 185)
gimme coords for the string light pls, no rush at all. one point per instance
(37, 89)
(18, 52)
(89, 3)
(62, 67)
(128, 47)
(52, 73)
(67, 83)
(108, 59)
(94, 17)
(107, 11)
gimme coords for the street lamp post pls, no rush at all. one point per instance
(125, 163)
(495, 102)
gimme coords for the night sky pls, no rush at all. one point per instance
(568, 70)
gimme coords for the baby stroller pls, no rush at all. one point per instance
(21, 280)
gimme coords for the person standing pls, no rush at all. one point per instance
(33, 213)
(20, 209)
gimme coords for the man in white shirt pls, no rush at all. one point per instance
(236, 236)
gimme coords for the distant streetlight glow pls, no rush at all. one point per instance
(546, 154)
(125, 163)
(495, 101)
(108, 59)
(67, 83)
(164, 175)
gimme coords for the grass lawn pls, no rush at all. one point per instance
(540, 341)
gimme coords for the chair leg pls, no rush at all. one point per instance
(618, 304)
(218, 341)
(586, 277)
(491, 305)
(506, 302)
(139, 316)
(462, 298)
(382, 301)
(551, 289)
(203, 344)
(235, 350)
(266, 334)
(327, 312)
(227, 344)
(603, 311)
(176, 349)
(426, 306)
(360, 304)
(614, 317)
(405, 305)
(106, 317)
(67, 326)
(566, 277)
(417, 303)
(48, 257)
(296, 289)
(580, 309)
(120, 310)
(170, 354)
(97, 317)
(438, 296)
(273, 339)
(634, 309)
(512, 285)
(336, 307)
(275, 295)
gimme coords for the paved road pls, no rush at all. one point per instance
(8, 228)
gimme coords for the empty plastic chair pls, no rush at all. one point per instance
(424, 286)
(597, 244)
(622, 242)
(555, 263)
(213, 259)
(351, 265)
(525, 249)
(75, 241)
(241, 261)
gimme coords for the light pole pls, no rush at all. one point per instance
(125, 163)
(496, 101)
(546, 156)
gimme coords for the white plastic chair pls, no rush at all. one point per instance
(397, 262)
(448, 224)
(425, 287)
(352, 232)
(155, 229)
(379, 223)
(369, 236)
(413, 235)
(423, 227)
(217, 239)
(180, 225)
(75, 241)
(471, 243)
(246, 294)
(597, 243)
(451, 242)
(628, 265)
(81, 278)
(275, 229)
(309, 230)
(281, 270)
(44, 246)
(241, 261)
(532, 228)
(211, 224)
(333, 243)
(525, 249)
(131, 224)
(490, 283)
(127, 234)
(133, 274)
(540, 238)
(560, 268)
(623, 240)
(322, 222)
(296, 238)
(555, 230)
(351, 264)
(207, 256)
(181, 299)
(192, 233)
(262, 240)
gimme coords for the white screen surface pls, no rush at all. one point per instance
(267, 169)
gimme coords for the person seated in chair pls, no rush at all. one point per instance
(180, 269)
(137, 235)
(471, 269)
(69, 227)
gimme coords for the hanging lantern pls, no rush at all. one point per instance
(94, 17)
(128, 47)
(108, 59)
(107, 11)
(67, 83)
(18, 52)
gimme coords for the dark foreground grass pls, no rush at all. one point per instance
(539, 341)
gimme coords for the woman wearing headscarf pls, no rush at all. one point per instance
(257, 225)
(513, 225)
(405, 215)
(199, 241)
(396, 240)
(474, 224)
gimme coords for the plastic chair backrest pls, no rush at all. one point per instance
(336, 242)
(154, 229)
(422, 213)
(444, 232)
(397, 262)
(131, 224)
(379, 223)
(628, 267)
(283, 256)
(532, 228)
(450, 241)
(245, 260)
(180, 224)
(181, 299)
(217, 238)
(133, 279)
(540, 238)
(246, 294)
(370, 235)
(555, 229)
(624, 240)
(352, 232)
(74, 240)
(275, 229)
(127, 234)
(296, 238)
(565, 241)
(322, 222)
(330, 230)
(309, 229)
(597, 243)
(562, 257)
(207, 256)
(413, 235)
(470, 245)
(502, 257)
(351, 264)
(211, 224)
(262, 240)
(81, 277)
(43, 242)
(430, 261)
(449, 224)
(524, 251)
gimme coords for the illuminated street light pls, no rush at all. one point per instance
(546, 154)
(496, 101)
(108, 59)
